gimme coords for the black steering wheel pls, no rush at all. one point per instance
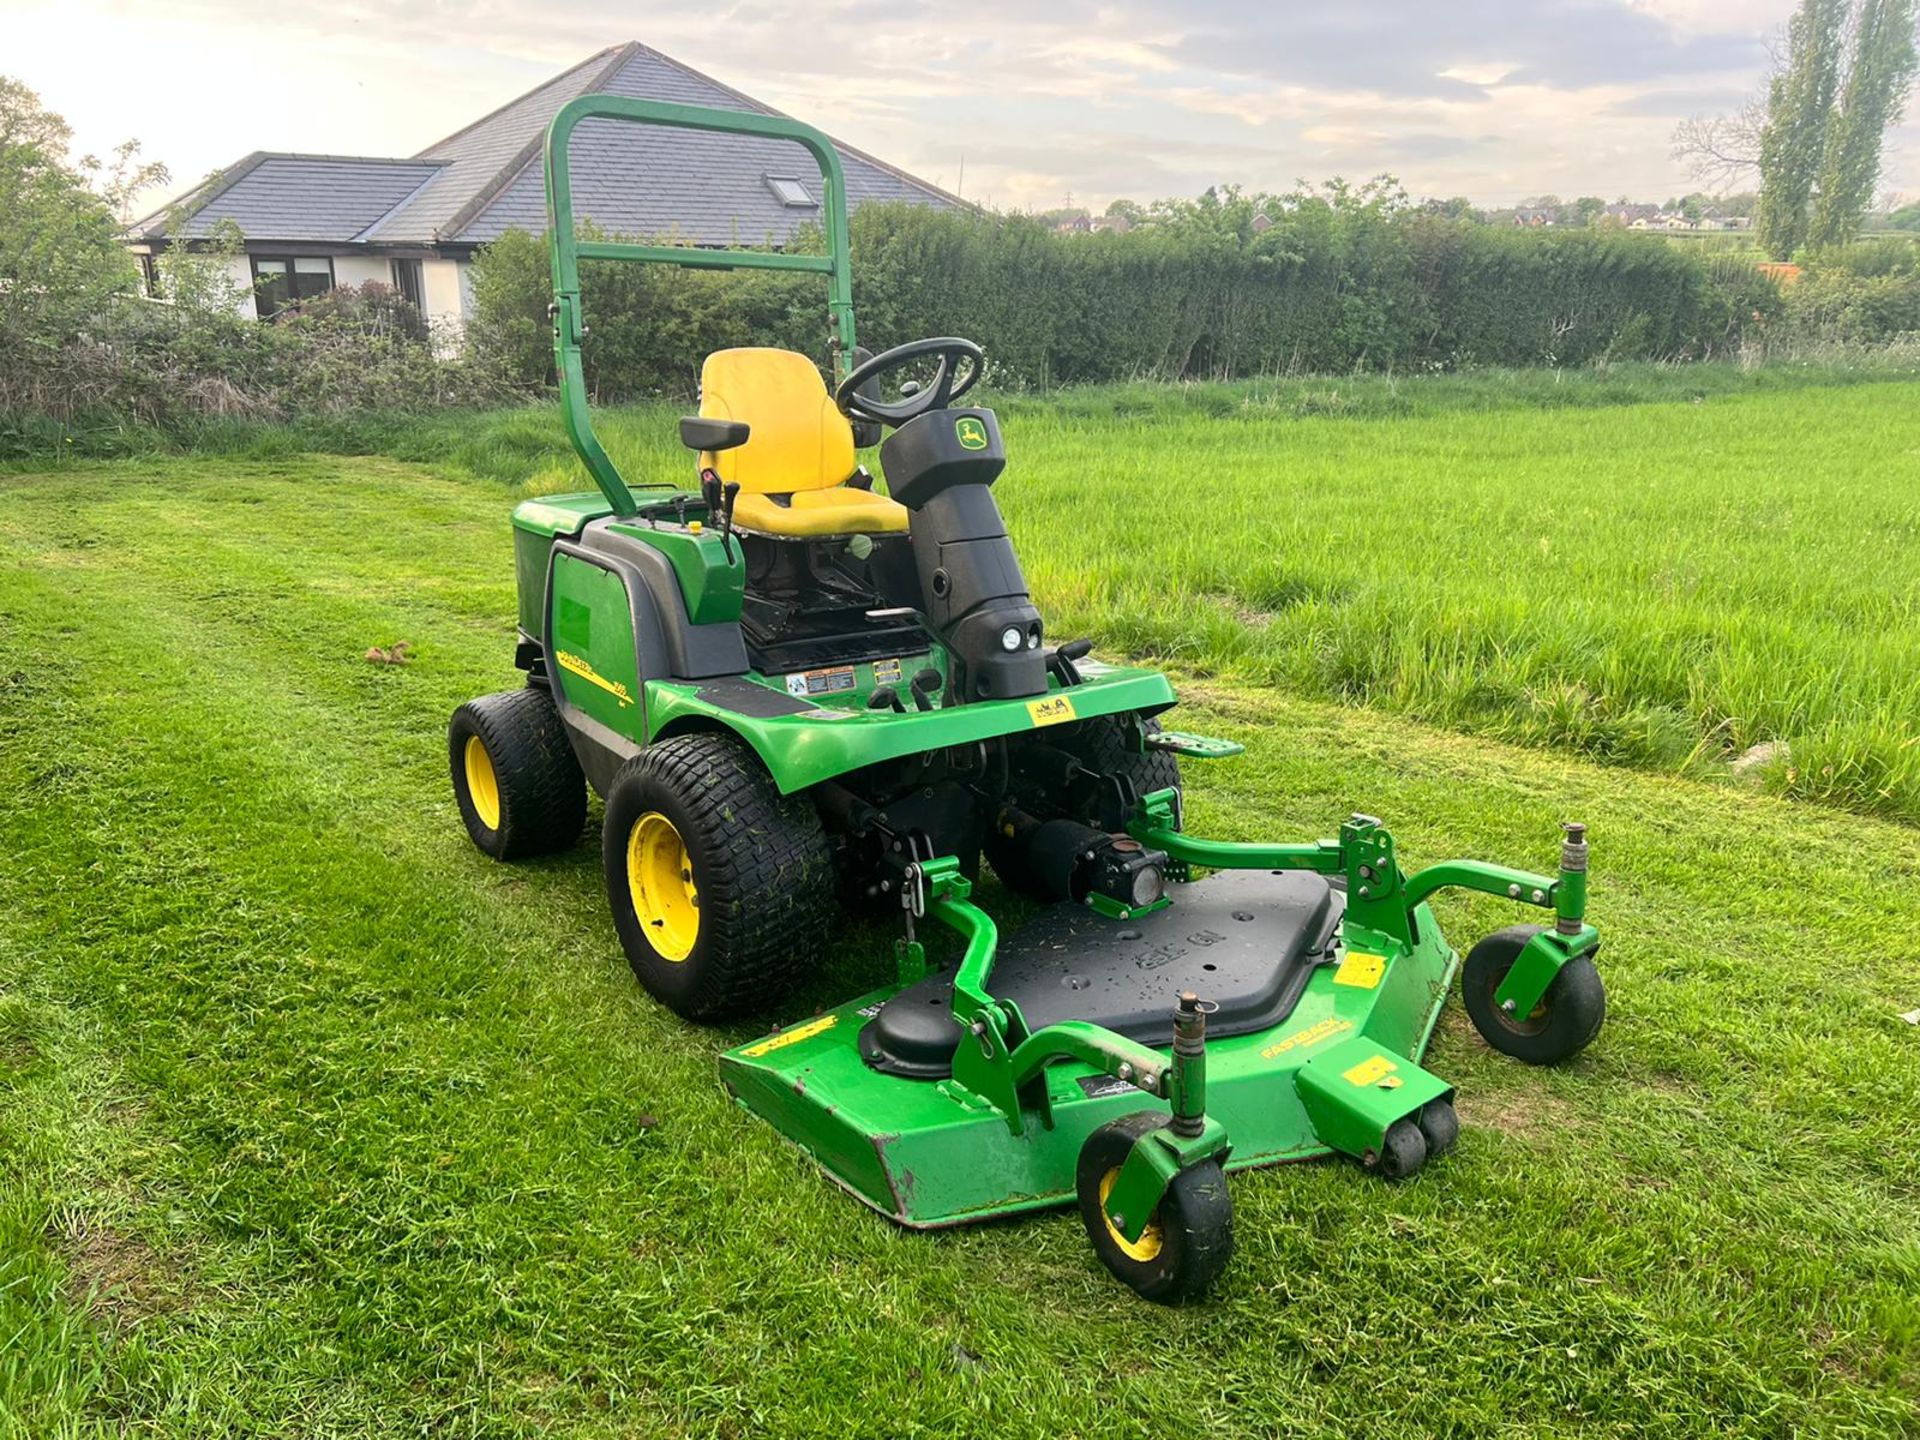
(950, 381)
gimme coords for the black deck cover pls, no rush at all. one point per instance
(1246, 940)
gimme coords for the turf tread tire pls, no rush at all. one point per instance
(1101, 744)
(766, 905)
(1575, 1003)
(1195, 1217)
(543, 793)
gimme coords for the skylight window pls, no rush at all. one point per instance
(790, 192)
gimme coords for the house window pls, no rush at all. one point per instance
(283, 280)
(406, 279)
(150, 276)
(790, 192)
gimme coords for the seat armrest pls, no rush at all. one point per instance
(699, 432)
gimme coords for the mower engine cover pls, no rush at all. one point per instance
(941, 466)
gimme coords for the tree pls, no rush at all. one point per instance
(1879, 73)
(61, 259)
(1586, 210)
(1907, 217)
(1456, 207)
(1793, 141)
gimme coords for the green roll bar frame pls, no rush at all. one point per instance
(568, 250)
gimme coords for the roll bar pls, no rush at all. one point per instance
(567, 250)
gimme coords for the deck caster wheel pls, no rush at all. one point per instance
(1439, 1126)
(1402, 1152)
(518, 785)
(1190, 1236)
(1565, 1021)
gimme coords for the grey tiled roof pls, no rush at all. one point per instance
(702, 187)
(302, 197)
(628, 179)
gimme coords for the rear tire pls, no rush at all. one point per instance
(518, 785)
(721, 887)
(1189, 1238)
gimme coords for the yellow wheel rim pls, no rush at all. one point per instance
(483, 786)
(660, 880)
(1150, 1241)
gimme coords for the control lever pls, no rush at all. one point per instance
(885, 697)
(731, 493)
(923, 686)
(719, 500)
(1060, 661)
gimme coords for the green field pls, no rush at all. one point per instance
(314, 1122)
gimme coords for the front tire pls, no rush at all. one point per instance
(519, 787)
(1189, 1238)
(1565, 1021)
(721, 887)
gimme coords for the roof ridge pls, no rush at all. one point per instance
(838, 143)
(350, 159)
(477, 203)
(473, 125)
(366, 231)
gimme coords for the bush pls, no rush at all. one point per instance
(83, 350)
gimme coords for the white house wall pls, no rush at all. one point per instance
(443, 285)
(240, 272)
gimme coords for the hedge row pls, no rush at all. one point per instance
(1323, 288)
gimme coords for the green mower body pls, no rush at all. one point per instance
(838, 699)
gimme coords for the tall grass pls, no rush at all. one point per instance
(1669, 585)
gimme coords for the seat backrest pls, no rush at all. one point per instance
(799, 439)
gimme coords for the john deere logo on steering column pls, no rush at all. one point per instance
(971, 434)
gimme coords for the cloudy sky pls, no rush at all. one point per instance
(1038, 100)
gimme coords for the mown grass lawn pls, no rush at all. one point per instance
(312, 1121)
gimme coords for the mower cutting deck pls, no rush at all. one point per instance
(796, 693)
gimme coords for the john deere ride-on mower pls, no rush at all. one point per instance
(797, 694)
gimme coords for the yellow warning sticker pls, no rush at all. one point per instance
(1372, 1071)
(1325, 1030)
(1360, 969)
(1051, 711)
(791, 1036)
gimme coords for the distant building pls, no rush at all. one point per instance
(1534, 217)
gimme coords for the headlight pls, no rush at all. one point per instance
(1148, 886)
(1011, 639)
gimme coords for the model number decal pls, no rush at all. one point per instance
(791, 1037)
(1333, 1025)
(575, 665)
(1051, 711)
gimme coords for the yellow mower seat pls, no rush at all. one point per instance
(794, 467)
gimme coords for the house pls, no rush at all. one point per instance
(1636, 217)
(1534, 217)
(312, 222)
